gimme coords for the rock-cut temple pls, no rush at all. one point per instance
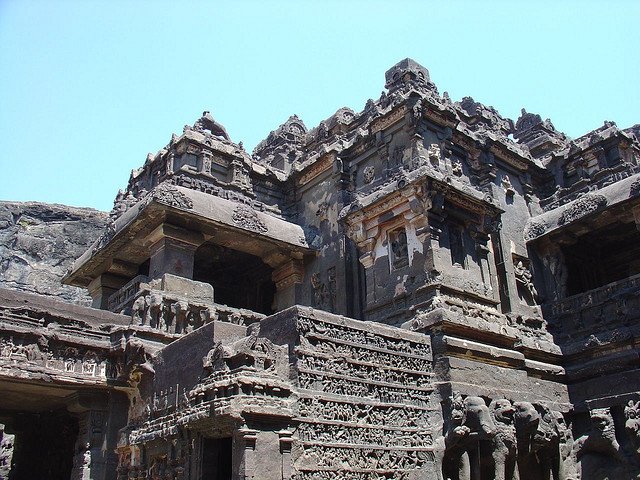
(422, 290)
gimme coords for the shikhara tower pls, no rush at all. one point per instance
(421, 290)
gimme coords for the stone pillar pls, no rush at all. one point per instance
(288, 278)
(172, 250)
(246, 446)
(102, 287)
(89, 461)
(286, 442)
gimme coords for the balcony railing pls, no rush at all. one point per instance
(123, 298)
(614, 303)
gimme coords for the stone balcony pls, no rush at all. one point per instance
(614, 304)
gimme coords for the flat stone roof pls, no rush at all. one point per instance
(193, 210)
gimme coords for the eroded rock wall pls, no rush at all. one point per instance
(38, 243)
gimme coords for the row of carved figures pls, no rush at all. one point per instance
(523, 441)
(172, 316)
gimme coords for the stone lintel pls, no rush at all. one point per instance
(81, 402)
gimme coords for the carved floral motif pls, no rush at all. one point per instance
(246, 217)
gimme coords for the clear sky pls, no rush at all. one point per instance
(87, 88)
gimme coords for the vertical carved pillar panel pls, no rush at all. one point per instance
(286, 442)
(249, 463)
(288, 277)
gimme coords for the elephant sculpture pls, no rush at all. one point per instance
(470, 424)
(503, 446)
(154, 306)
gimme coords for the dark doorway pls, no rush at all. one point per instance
(239, 279)
(216, 458)
(42, 445)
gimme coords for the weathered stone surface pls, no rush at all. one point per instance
(420, 290)
(38, 243)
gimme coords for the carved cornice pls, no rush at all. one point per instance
(321, 165)
(389, 119)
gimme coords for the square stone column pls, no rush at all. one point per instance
(172, 250)
(102, 287)
(288, 279)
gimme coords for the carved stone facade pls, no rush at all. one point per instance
(420, 290)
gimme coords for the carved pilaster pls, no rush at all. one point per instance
(205, 162)
(287, 278)
(248, 438)
(286, 441)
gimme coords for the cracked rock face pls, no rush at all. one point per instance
(39, 242)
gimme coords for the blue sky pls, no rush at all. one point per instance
(87, 88)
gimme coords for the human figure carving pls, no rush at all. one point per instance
(632, 424)
(525, 280)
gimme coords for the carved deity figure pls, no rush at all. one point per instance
(399, 248)
(555, 264)
(6, 452)
(632, 424)
(368, 174)
(434, 154)
(507, 186)
(456, 168)
(214, 361)
(320, 292)
(416, 112)
(524, 280)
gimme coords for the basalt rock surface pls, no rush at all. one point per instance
(38, 243)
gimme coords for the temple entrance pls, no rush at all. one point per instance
(216, 458)
(37, 445)
(239, 279)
